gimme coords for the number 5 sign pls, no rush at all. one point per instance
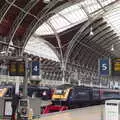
(35, 68)
(104, 67)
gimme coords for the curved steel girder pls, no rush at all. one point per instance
(94, 46)
(110, 40)
(75, 38)
(5, 9)
(35, 24)
(110, 43)
(76, 52)
(85, 56)
(19, 20)
(97, 32)
(24, 15)
(83, 38)
(105, 37)
(117, 48)
(98, 48)
(93, 49)
(82, 53)
(101, 34)
(101, 26)
(91, 62)
(89, 41)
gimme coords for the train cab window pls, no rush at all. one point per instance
(57, 91)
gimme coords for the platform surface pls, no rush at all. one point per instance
(87, 113)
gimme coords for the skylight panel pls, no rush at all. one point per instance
(59, 22)
(72, 15)
(37, 47)
(91, 5)
(44, 29)
(106, 2)
(112, 17)
(77, 15)
(69, 9)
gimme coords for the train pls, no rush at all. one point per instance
(72, 96)
(44, 93)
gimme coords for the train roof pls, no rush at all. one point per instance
(64, 86)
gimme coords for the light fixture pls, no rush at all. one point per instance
(112, 48)
(3, 52)
(91, 31)
(46, 1)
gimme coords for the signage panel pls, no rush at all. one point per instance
(104, 67)
(116, 67)
(17, 68)
(35, 68)
(12, 68)
(21, 68)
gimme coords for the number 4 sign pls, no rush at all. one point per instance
(36, 68)
(104, 67)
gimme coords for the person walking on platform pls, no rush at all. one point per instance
(14, 105)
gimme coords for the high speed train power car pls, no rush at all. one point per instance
(80, 95)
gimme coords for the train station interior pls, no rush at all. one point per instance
(53, 49)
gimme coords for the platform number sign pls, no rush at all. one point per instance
(104, 67)
(35, 68)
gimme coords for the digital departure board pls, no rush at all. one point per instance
(21, 68)
(116, 67)
(16, 68)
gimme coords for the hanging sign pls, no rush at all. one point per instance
(104, 67)
(35, 68)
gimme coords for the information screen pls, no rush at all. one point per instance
(16, 68)
(23, 103)
(116, 67)
(12, 68)
(21, 68)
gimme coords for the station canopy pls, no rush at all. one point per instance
(77, 13)
(77, 31)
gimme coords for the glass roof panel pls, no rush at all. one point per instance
(76, 15)
(44, 29)
(113, 18)
(72, 15)
(55, 20)
(91, 5)
(106, 2)
(37, 46)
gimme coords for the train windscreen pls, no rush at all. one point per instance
(63, 87)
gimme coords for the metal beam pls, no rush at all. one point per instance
(35, 24)
(19, 20)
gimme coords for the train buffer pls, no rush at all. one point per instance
(53, 108)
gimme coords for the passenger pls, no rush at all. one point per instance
(14, 105)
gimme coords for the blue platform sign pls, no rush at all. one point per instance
(35, 68)
(104, 67)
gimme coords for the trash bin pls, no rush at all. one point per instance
(112, 108)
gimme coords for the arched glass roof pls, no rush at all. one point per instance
(37, 46)
(69, 17)
(72, 16)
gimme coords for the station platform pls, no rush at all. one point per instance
(86, 113)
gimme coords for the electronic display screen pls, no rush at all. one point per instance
(116, 67)
(23, 103)
(17, 68)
